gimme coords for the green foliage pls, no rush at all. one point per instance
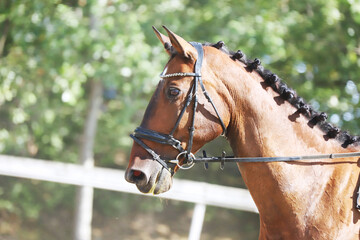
(29, 198)
(50, 50)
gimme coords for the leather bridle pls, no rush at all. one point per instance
(188, 157)
(185, 155)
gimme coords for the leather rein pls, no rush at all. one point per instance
(186, 159)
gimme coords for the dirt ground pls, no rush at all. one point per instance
(170, 223)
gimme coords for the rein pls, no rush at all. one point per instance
(188, 159)
(223, 159)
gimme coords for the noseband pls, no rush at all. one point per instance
(168, 139)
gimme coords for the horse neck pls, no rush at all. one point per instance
(260, 126)
(261, 122)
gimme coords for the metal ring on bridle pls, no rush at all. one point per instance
(190, 163)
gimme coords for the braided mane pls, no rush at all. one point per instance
(288, 94)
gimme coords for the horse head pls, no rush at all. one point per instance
(169, 135)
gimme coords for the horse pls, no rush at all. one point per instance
(260, 116)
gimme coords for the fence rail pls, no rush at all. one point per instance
(200, 193)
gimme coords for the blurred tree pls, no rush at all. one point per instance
(48, 54)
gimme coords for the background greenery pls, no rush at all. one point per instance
(51, 50)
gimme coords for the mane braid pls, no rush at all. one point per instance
(288, 94)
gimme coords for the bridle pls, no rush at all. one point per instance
(188, 159)
(186, 156)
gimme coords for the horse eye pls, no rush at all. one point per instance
(173, 92)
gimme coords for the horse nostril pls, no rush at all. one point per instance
(136, 176)
(136, 173)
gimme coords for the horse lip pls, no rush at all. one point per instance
(144, 188)
(161, 189)
(161, 184)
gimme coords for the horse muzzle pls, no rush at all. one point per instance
(149, 176)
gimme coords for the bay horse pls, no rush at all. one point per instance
(261, 117)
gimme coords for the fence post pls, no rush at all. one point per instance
(197, 221)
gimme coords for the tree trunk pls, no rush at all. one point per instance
(84, 197)
(4, 29)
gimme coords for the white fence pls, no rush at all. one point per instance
(200, 193)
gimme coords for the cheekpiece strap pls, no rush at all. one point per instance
(198, 65)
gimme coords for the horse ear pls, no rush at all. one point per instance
(181, 45)
(164, 40)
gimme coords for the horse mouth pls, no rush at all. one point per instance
(157, 184)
